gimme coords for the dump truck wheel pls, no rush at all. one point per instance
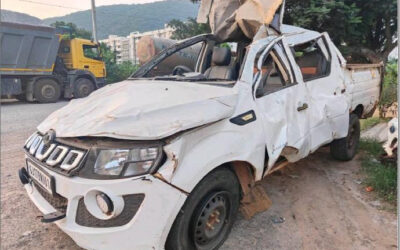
(47, 90)
(83, 87)
(346, 148)
(207, 216)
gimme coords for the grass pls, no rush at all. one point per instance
(369, 123)
(381, 176)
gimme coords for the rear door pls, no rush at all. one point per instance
(282, 102)
(325, 82)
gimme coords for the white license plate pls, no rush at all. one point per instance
(40, 177)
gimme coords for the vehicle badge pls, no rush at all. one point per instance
(49, 137)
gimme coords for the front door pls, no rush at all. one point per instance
(324, 79)
(283, 104)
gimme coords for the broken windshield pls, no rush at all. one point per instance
(199, 59)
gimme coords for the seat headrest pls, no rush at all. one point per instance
(221, 56)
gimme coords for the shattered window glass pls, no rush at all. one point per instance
(313, 59)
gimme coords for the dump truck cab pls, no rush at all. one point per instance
(82, 54)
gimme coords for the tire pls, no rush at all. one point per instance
(83, 87)
(345, 149)
(206, 218)
(47, 90)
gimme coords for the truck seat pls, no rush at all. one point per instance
(221, 68)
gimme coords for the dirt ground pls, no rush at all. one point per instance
(318, 203)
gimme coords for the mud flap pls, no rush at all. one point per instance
(254, 199)
(254, 202)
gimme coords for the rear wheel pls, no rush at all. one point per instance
(47, 90)
(345, 149)
(83, 87)
(208, 214)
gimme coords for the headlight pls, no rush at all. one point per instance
(126, 162)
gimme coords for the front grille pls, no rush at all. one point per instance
(132, 204)
(56, 156)
(57, 201)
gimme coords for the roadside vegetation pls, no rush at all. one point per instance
(380, 175)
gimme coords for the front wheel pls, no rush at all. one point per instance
(208, 214)
(345, 149)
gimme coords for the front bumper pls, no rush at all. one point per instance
(149, 227)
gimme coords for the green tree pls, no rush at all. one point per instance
(72, 31)
(365, 31)
(116, 72)
(189, 28)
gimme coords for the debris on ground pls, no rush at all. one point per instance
(369, 189)
(277, 219)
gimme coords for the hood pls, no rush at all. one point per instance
(142, 110)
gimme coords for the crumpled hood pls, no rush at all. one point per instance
(142, 110)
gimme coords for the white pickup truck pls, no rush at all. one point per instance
(167, 159)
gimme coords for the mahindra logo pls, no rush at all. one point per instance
(49, 137)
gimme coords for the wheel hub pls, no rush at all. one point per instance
(211, 220)
(48, 91)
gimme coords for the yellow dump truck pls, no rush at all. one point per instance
(37, 63)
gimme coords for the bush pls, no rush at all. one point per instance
(389, 88)
(381, 176)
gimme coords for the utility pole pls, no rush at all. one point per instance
(94, 21)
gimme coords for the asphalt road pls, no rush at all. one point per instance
(318, 203)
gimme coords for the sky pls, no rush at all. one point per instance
(51, 8)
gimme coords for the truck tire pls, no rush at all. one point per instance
(207, 216)
(345, 149)
(47, 90)
(83, 87)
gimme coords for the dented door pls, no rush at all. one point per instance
(324, 79)
(282, 102)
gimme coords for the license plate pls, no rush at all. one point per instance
(40, 177)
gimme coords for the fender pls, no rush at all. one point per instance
(75, 74)
(193, 155)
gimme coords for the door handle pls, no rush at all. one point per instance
(304, 107)
(86, 66)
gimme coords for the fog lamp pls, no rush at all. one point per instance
(105, 204)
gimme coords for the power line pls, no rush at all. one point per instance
(49, 4)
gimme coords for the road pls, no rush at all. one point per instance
(321, 201)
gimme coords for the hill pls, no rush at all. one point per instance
(16, 17)
(122, 19)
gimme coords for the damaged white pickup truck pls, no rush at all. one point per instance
(166, 158)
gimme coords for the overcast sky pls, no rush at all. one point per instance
(51, 8)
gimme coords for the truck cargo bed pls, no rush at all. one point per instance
(27, 49)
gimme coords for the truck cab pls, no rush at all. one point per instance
(165, 159)
(82, 54)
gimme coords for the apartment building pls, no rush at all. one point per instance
(126, 46)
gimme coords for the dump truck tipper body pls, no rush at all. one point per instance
(37, 63)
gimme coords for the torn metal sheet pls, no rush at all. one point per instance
(235, 20)
(142, 109)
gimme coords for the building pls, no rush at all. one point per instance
(126, 46)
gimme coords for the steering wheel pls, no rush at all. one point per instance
(180, 70)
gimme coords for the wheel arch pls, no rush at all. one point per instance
(359, 110)
(76, 74)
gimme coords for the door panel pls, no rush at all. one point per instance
(329, 108)
(284, 110)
